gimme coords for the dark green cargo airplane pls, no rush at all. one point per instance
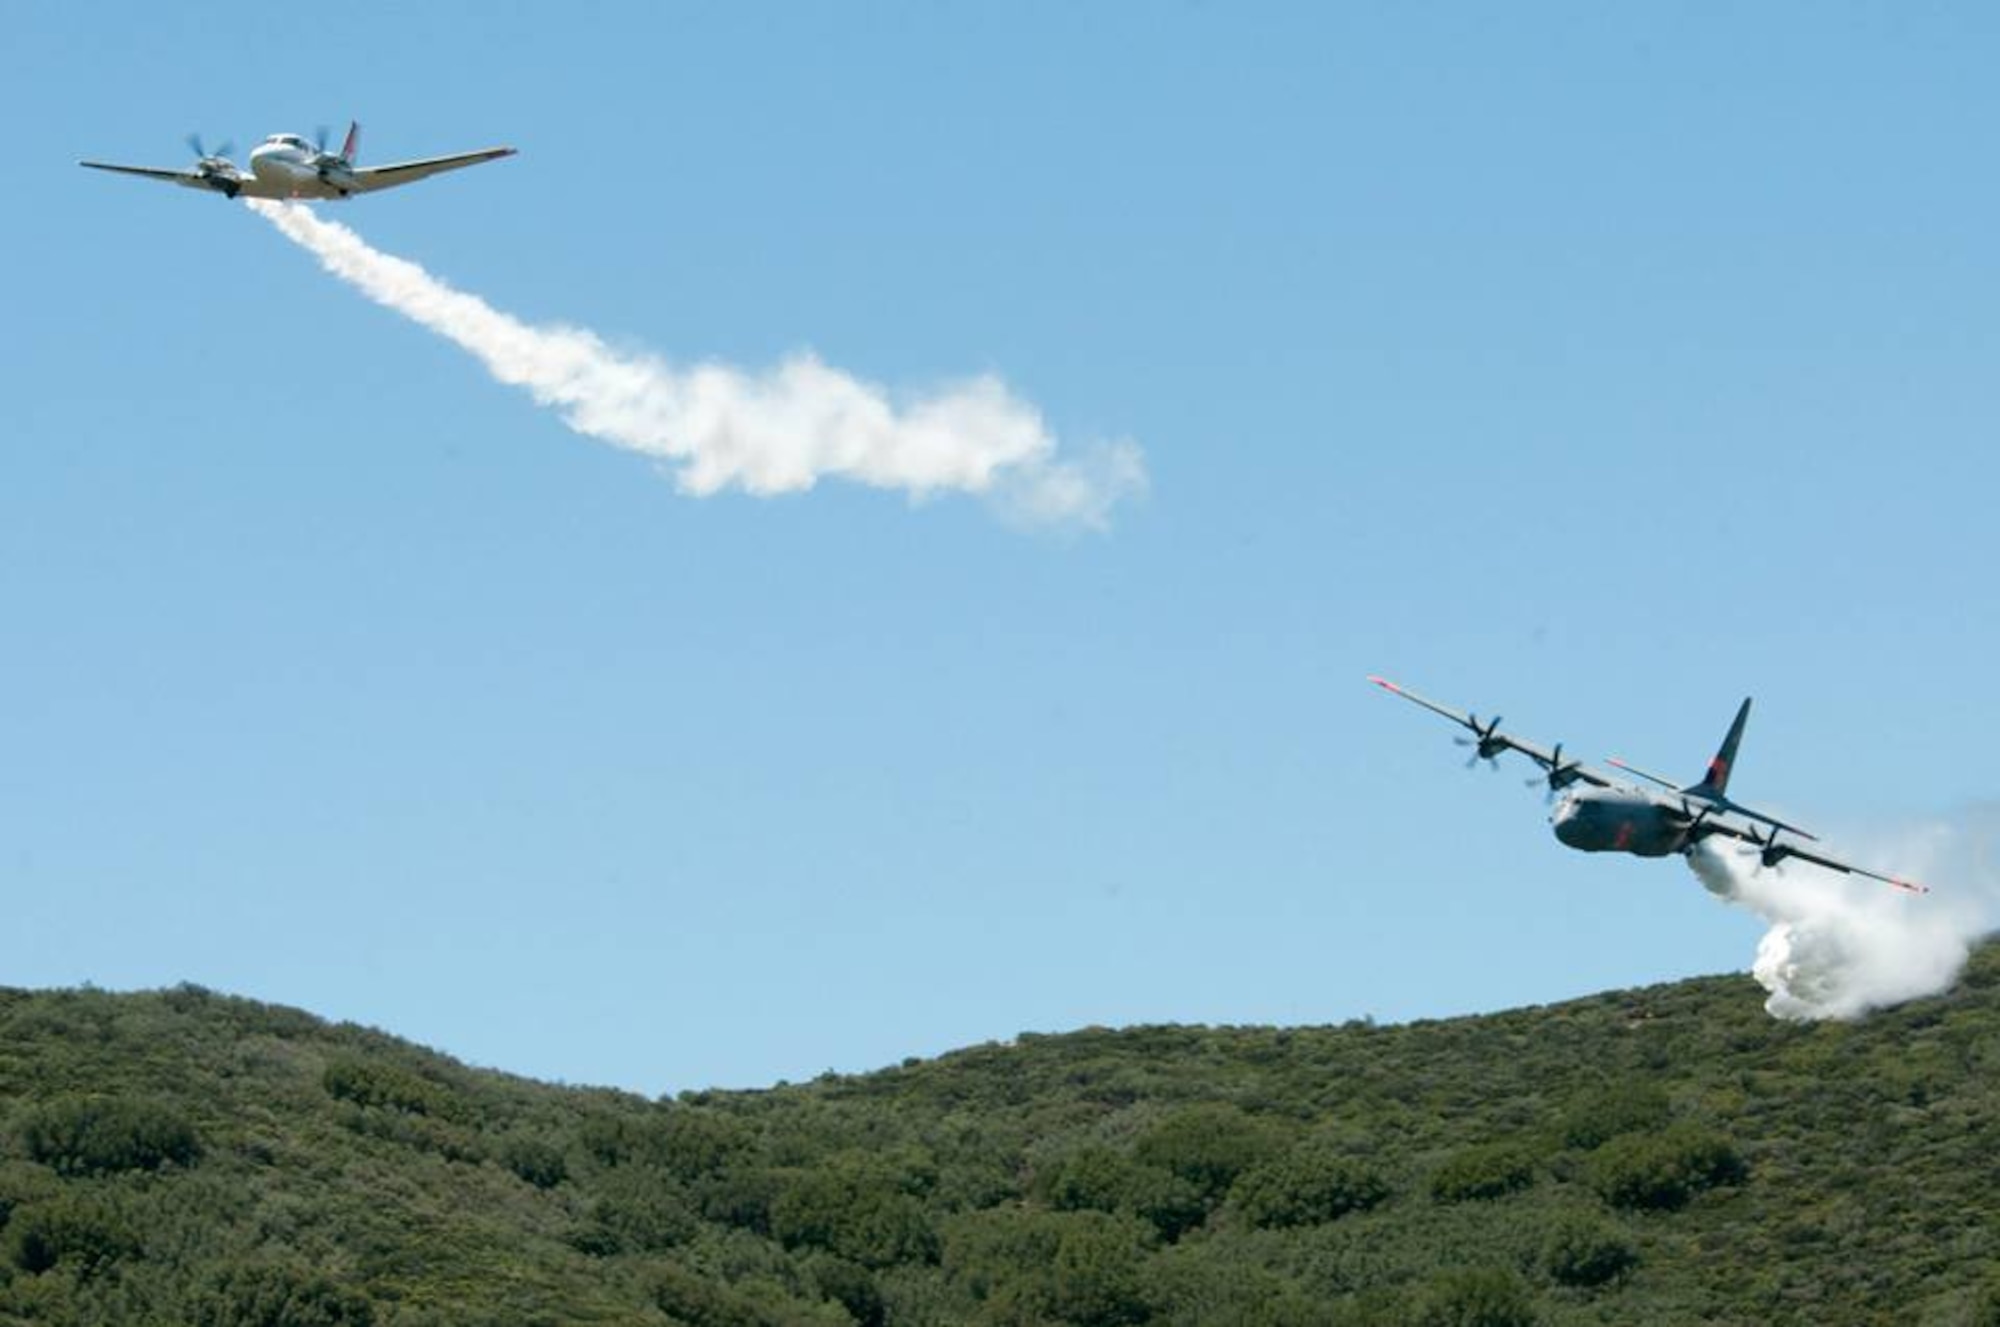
(1598, 813)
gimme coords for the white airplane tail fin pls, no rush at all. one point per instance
(352, 143)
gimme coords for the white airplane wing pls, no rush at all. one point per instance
(367, 179)
(188, 178)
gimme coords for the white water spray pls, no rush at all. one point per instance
(779, 431)
(1840, 946)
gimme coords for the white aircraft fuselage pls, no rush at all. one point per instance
(287, 166)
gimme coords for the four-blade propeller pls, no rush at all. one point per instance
(1559, 775)
(1770, 853)
(1486, 744)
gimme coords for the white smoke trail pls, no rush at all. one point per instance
(1839, 945)
(776, 432)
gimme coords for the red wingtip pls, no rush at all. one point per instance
(1385, 684)
(1615, 761)
(1911, 885)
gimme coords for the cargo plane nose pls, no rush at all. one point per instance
(1569, 822)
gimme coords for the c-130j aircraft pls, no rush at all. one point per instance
(1598, 813)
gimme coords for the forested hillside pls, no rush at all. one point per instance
(1667, 1155)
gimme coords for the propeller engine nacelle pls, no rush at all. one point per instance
(1560, 774)
(1486, 742)
(1768, 851)
(336, 168)
(1698, 828)
(217, 171)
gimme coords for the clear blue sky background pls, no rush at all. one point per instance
(1601, 364)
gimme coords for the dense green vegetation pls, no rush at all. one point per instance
(1669, 1155)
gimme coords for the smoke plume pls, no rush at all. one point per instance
(1839, 946)
(718, 427)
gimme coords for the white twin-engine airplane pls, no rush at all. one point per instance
(286, 166)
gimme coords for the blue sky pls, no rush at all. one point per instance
(1601, 365)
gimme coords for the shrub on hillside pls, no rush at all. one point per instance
(1091, 1179)
(72, 1229)
(1662, 1171)
(22, 1183)
(1606, 1112)
(1309, 1185)
(1029, 1266)
(740, 1198)
(699, 1300)
(1205, 1282)
(689, 1297)
(1581, 1249)
(636, 1212)
(688, 1142)
(1207, 1145)
(1098, 1280)
(370, 1083)
(691, 1143)
(1098, 1179)
(277, 1295)
(985, 1252)
(854, 1210)
(104, 1135)
(420, 1133)
(537, 1162)
(1476, 1297)
(851, 1286)
(1488, 1170)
